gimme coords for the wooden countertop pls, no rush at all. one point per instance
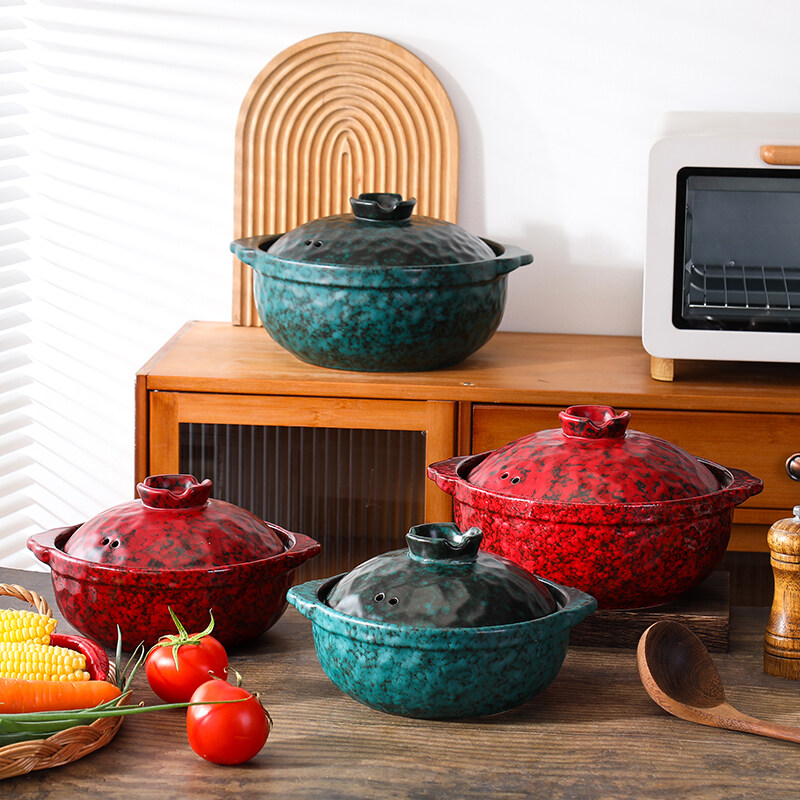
(593, 734)
(551, 369)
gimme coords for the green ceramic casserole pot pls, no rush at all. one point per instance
(442, 630)
(380, 290)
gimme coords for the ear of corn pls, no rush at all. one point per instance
(25, 626)
(41, 662)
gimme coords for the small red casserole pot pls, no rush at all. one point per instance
(622, 515)
(174, 548)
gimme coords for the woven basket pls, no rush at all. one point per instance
(65, 746)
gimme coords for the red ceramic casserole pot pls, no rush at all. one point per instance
(627, 517)
(174, 548)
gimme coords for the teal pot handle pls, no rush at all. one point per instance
(304, 597)
(508, 257)
(247, 250)
(579, 605)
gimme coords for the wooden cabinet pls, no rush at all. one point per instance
(223, 400)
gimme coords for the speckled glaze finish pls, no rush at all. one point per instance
(353, 240)
(626, 554)
(175, 556)
(175, 525)
(441, 580)
(380, 294)
(440, 673)
(593, 458)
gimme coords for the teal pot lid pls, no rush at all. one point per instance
(442, 580)
(381, 231)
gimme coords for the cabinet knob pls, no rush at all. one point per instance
(793, 466)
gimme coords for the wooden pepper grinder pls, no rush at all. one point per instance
(782, 639)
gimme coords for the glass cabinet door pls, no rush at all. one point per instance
(349, 473)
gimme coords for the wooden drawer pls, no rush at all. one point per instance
(759, 443)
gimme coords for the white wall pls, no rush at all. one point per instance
(132, 114)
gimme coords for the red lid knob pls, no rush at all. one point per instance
(594, 422)
(174, 491)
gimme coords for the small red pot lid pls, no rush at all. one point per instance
(175, 525)
(594, 458)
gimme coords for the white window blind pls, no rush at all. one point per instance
(130, 115)
(117, 140)
(15, 441)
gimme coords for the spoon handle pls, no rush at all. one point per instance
(760, 727)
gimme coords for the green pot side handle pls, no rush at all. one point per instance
(508, 257)
(304, 597)
(579, 605)
(247, 250)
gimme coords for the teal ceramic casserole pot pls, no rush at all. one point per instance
(380, 290)
(441, 630)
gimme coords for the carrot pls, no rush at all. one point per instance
(19, 695)
(34, 710)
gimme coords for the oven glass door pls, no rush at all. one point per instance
(737, 249)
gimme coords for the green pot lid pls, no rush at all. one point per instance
(442, 580)
(381, 232)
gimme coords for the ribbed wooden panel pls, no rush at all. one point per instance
(331, 117)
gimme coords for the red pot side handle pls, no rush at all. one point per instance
(744, 485)
(445, 473)
(302, 550)
(44, 543)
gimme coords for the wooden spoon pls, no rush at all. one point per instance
(678, 673)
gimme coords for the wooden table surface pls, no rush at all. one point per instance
(592, 735)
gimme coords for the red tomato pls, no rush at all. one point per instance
(226, 733)
(178, 664)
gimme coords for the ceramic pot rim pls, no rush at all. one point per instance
(735, 486)
(573, 606)
(252, 251)
(298, 548)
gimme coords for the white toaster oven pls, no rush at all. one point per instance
(722, 265)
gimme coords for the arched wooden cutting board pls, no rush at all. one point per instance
(331, 117)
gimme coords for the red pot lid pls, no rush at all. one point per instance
(175, 525)
(591, 459)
